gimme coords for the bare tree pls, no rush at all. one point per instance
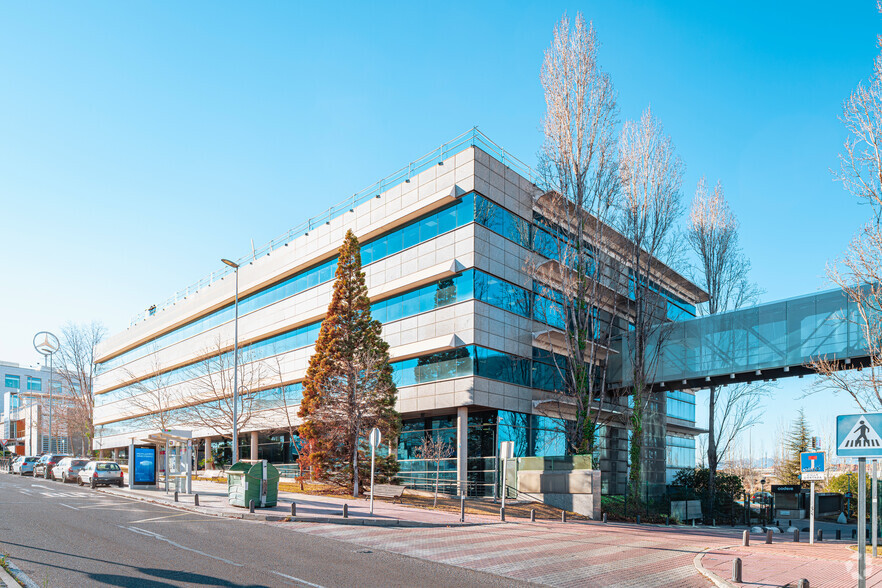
(859, 271)
(434, 450)
(285, 400)
(722, 273)
(651, 175)
(76, 370)
(151, 397)
(575, 281)
(211, 390)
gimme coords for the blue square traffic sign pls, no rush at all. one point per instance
(812, 465)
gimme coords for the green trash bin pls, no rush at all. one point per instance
(258, 482)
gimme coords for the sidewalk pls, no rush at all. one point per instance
(318, 509)
(785, 563)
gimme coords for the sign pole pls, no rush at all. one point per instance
(374, 439)
(862, 522)
(812, 516)
(373, 450)
(875, 510)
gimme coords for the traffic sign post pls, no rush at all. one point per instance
(857, 435)
(506, 450)
(875, 511)
(374, 439)
(812, 466)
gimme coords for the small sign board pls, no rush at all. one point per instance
(857, 435)
(506, 449)
(786, 488)
(812, 465)
(374, 438)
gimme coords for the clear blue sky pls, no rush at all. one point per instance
(141, 142)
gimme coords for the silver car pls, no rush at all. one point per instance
(100, 473)
(25, 465)
(67, 468)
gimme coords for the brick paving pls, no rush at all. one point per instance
(557, 554)
(780, 564)
(574, 554)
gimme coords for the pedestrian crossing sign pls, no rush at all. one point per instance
(857, 435)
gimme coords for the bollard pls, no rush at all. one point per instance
(604, 517)
(820, 535)
(196, 500)
(462, 509)
(838, 534)
(638, 519)
(176, 495)
(803, 583)
(251, 505)
(532, 515)
(796, 536)
(345, 511)
(714, 521)
(501, 513)
(736, 569)
(667, 521)
(854, 533)
(293, 509)
(745, 538)
(769, 536)
(789, 523)
(563, 516)
(693, 522)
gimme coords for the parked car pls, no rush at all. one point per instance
(67, 468)
(104, 473)
(25, 465)
(44, 465)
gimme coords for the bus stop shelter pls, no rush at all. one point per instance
(165, 456)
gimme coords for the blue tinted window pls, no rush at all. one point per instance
(13, 381)
(35, 384)
(425, 228)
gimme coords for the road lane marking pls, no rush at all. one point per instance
(299, 580)
(68, 506)
(183, 514)
(178, 545)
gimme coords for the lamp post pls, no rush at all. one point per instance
(46, 345)
(235, 267)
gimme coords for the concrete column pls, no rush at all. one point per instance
(254, 445)
(462, 447)
(115, 454)
(209, 460)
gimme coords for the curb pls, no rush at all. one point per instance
(276, 518)
(18, 577)
(718, 581)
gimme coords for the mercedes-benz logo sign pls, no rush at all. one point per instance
(46, 343)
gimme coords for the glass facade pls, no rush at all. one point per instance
(681, 405)
(35, 384)
(13, 381)
(465, 286)
(414, 233)
(768, 336)
(532, 435)
(680, 454)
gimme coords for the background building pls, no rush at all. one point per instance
(444, 245)
(24, 422)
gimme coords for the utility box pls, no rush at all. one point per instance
(257, 481)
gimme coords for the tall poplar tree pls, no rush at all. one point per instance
(348, 388)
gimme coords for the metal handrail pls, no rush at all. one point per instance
(471, 138)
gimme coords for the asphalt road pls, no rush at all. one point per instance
(64, 535)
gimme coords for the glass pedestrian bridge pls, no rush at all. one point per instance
(766, 341)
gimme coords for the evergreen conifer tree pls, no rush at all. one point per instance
(798, 440)
(348, 388)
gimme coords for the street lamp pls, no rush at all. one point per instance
(46, 345)
(235, 267)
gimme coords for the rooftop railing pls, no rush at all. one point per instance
(471, 138)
